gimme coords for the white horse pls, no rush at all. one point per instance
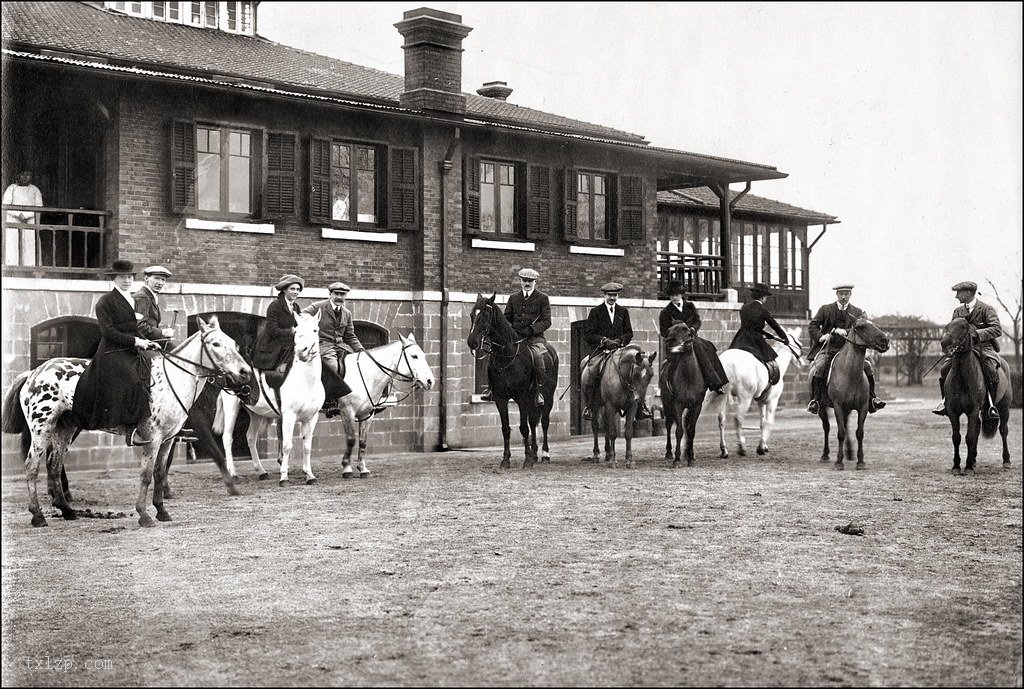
(39, 403)
(748, 381)
(371, 374)
(302, 395)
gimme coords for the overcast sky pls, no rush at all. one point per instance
(903, 120)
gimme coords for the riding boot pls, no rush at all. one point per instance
(941, 409)
(642, 412)
(133, 437)
(874, 404)
(993, 389)
(814, 404)
(588, 415)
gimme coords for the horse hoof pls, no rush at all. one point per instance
(839, 466)
(310, 481)
(69, 515)
(967, 472)
(861, 466)
(167, 494)
(146, 521)
(347, 474)
(824, 459)
(283, 483)
(724, 454)
(163, 516)
(364, 474)
(264, 476)
(546, 458)
(742, 452)
(955, 471)
(233, 489)
(505, 464)
(38, 520)
(762, 450)
(1006, 465)
(67, 495)
(675, 464)
(668, 456)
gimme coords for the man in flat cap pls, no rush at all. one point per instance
(529, 312)
(147, 304)
(607, 328)
(828, 331)
(337, 340)
(985, 331)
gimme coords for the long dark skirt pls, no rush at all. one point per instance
(754, 343)
(113, 391)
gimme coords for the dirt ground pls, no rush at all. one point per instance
(444, 570)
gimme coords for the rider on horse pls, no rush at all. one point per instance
(827, 330)
(679, 310)
(529, 312)
(985, 330)
(337, 338)
(146, 303)
(275, 346)
(607, 329)
(750, 337)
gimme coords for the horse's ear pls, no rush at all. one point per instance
(493, 296)
(652, 357)
(402, 339)
(213, 322)
(411, 339)
(203, 327)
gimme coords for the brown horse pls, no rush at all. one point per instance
(682, 391)
(965, 392)
(848, 388)
(624, 380)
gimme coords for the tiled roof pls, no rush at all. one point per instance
(703, 197)
(83, 29)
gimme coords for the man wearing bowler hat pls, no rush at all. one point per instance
(828, 331)
(337, 339)
(985, 331)
(529, 312)
(146, 303)
(607, 328)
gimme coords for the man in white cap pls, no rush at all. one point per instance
(148, 306)
(985, 331)
(828, 330)
(529, 312)
(337, 339)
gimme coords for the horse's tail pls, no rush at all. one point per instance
(14, 416)
(218, 418)
(989, 426)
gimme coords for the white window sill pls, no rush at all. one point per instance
(502, 245)
(357, 236)
(228, 226)
(596, 250)
(477, 399)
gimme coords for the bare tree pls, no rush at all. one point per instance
(1015, 317)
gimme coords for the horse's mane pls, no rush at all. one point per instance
(188, 339)
(500, 325)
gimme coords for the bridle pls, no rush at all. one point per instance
(628, 381)
(488, 345)
(212, 374)
(392, 373)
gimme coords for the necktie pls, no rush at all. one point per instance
(611, 313)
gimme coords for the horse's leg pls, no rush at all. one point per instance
(256, 424)
(57, 451)
(229, 407)
(545, 421)
(743, 404)
(307, 448)
(534, 421)
(145, 478)
(669, 411)
(595, 428)
(680, 421)
(64, 484)
(160, 477)
(973, 431)
(862, 417)
(954, 421)
(611, 430)
(842, 417)
(1004, 429)
(628, 428)
(364, 433)
(287, 441)
(506, 431)
(826, 430)
(723, 404)
(165, 485)
(524, 430)
(691, 432)
(348, 417)
(35, 452)
(767, 421)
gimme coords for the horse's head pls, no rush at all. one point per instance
(679, 338)
(307, 336)
(636, 369)
(795, 348)
(415, 361)
(481, 319)
(957, 337)
(867, 334)
(222, 352)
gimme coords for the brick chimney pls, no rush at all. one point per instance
(433, 60)
(497, 90)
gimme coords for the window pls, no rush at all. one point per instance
(353, 183)
(363, 185)
(72, 337)
(129, 7)
(592, 206)
(224, 169)
(497, 198)
(167, 11)
(238, 17)
(203, 14)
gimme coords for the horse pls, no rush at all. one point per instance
(511, 373)
(848, 388)
(624, 379)
(301, 397)
(39, 404)
(748, 381)
(682, 392)
(965, 392)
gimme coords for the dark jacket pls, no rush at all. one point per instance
(114, 388)
(986, 321)
(598, 326)
(336, 330)
(670, 315)
(145, 304)
(529, 317)
(828, 318)
(753, 317)
(276, 344)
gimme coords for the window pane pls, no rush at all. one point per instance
(716, 238)
(232, 15)
(158, 9)
(774, 258)
(487, 173)
(798, 262)
(196, 12)
(238, 185)
(365, 158)
(585, 184)
(172, 11)
(488, 221)
(340, 183)
(507, 212)
(208, 181)
(340, 155)
(689, 234)
(748, 253)
(702, 245)
(583, 214)
(599, 183)
(246, 16)
(366, 196)
(600, 226)
(211, 13)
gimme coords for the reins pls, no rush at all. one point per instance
(211, 374)
(488, 345)
(392, 373)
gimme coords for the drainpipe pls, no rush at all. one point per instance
(445, 166)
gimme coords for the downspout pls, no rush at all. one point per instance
(445, 166)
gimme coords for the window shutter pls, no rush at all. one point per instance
(569, 186)
(402, 189)
(538, 202)
(183, 166)
(471, 194)
(282, 174)
(320, 180)
(631, 210)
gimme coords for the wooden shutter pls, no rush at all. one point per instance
(631, 210)
(402, 188)
(471, 194)
(282, 165)
(538, 201)
(320, 180)
(183, 166)
(569, 187)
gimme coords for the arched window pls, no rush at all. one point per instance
(240, 327)
(370, 334)
(72, 336)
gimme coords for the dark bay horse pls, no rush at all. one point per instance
(624, 380)
(682, 391)
(964, 392)
(512, 374)
(848, 388)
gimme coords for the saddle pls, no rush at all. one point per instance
(774, 375)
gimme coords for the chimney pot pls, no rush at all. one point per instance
(497, 90)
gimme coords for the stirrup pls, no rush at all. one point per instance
(587, 414)
(941, 409)
(813, 407)
(874, 404)
(993, 413)
(134, 439)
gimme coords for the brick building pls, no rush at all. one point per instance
(172, 133)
